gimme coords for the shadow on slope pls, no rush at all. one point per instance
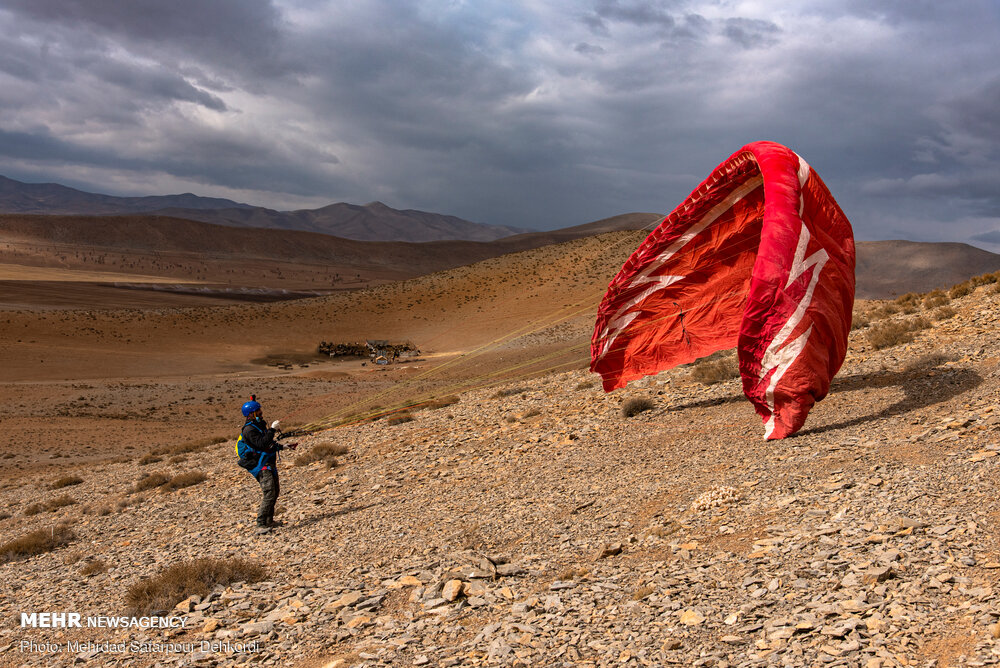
(919, 387)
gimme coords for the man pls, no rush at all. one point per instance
(258, 453)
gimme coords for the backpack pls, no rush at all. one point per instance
(248, 454)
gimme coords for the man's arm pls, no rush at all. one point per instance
(261, 441)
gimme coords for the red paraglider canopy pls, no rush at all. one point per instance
(760, 257)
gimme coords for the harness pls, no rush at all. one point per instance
(246, 452)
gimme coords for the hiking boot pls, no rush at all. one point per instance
(263, 530)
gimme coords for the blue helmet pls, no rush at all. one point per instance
(251, 406)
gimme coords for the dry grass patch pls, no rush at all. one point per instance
(936, 298)
(93, 567)
(443, 402)
(149, 481)
(184, 480)
(909, 303)
(636, 405)
(324, 452)
(895, 333)
(716, 371)
(643, 592)
(66, 482)
(585, 385)
(961, 290)
(399, 418)
(150, 459)
(928, 361)
(509, 392)
(573, 573)
(189, 446)
(883, 311)
(50, 505)
(59, 502)
(33, 509)
(39, 541)
(191, 578)
(944, 313)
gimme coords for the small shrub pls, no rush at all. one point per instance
(531, 413)
(150, 459)
(985, 279)
(59, 502)
(66, 482)
(716, 371)
(944, 313)
(184, 480)
(927, 362)
(889, 334)
(443, 402)
(150, 481)
(509, 392)
(661, 531)
(39, 541)
(936, 298)
(34, 509)
(960, 290)
(324, 452)
(643, 592)
(585, 385)
(93, 567)
(573, 573)
(177, 459)
(883, 311)
(192, 578)
(399, 418)
(860, 321)
(908, 298)
(189, 446)
(637, 405)
(895, 333)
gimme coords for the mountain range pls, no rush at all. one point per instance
(369, 222)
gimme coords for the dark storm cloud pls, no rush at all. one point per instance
(532, 114)
(239, 34)
(638, 13)
(992, 237)
(751, 33)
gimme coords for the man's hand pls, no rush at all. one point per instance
(292, 446)
(274, 425)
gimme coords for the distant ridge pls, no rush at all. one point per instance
(53, 198)
(370, 222)
(885, 269)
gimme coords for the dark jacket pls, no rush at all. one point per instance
(261, 439)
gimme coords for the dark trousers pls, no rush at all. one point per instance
(268, 479)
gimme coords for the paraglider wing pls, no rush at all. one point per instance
(760, 257)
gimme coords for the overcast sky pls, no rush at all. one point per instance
(532, 113)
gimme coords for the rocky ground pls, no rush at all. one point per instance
(533, 524)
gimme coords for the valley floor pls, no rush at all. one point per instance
(533, 524)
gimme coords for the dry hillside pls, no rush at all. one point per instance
(535, 523)
(209, 261)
